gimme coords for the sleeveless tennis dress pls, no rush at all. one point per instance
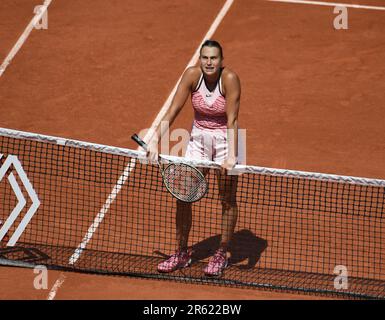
(208, 138)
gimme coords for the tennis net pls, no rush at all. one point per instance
(78, 206)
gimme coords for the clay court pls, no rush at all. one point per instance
(312, 97)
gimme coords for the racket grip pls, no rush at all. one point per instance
(139, 141)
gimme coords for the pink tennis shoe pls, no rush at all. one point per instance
(182, 259)
(217, 263)
(179, 260)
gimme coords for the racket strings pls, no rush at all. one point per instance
(185, 182)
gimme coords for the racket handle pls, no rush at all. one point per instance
(139, 141)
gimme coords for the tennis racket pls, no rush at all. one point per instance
(183, 181)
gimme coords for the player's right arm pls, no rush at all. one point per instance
(183, 90)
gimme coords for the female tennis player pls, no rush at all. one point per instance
(215, 94)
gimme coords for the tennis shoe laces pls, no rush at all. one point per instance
(179, 260)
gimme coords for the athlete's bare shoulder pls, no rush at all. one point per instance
(192, 75)
(230, 81)
(229, 75)
(192, 72)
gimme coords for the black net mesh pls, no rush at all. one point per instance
(110, 213)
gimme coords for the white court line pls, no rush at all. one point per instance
(56, 286)
(331, 4)
(24, 36)
(123, 178)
